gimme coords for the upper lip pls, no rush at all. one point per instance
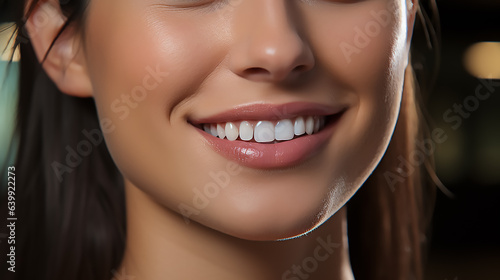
(270, 112)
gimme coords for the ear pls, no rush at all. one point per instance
(65, 62)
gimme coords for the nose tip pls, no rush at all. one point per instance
(275, 64)
(270, 50)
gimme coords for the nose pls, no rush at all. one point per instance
(267, 46)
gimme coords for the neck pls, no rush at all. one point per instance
(160, 245)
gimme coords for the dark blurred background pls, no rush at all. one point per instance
(465, 241)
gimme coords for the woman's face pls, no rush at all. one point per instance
(164, 70)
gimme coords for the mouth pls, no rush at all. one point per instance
(265, 131)
(270, 136)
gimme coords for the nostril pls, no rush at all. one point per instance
(256, 71)
(263, 74)
(300, 68)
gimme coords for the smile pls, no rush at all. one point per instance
(270, 136)
(266, 131)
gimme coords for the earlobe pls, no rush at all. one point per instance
(64, 62)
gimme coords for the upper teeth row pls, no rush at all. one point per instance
(266, 131)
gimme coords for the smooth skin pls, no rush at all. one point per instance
(153, 65)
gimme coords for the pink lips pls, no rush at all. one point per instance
(272, 155)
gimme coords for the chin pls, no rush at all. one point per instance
(268, 228)
(270, 218)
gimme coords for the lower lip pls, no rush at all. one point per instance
(272, 156)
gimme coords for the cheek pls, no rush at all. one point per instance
(364, 54)
(362, 47)
(142, 69)
(132, 50)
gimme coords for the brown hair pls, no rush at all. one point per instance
(389, 217)
(390, 214)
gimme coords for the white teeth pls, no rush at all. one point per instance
(221, 131)
(284, 130)
(246, 131)
(206, 127)
(309, 125)
(213, 130)
(264, 132)
(300, 126)
(231, 131)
